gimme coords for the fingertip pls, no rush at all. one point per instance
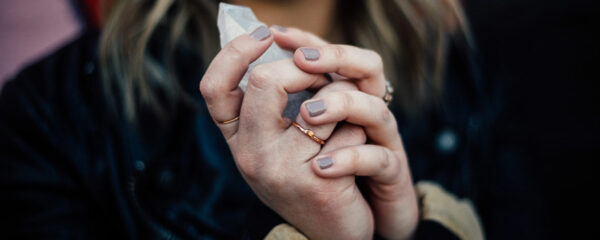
(304, 114)
(299, 58)
(309, 59)
(279, 28)
(261, 33)
(310, 114)
(308, 54)
(248, 46)
(257, 40)
(323, 166)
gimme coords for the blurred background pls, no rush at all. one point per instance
(30, 29)
(538, 57)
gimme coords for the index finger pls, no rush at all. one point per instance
(363, 65)
(219, 85)
(293, 38)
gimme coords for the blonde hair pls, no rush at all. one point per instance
(410, 35)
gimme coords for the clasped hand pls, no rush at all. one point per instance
(311, 185)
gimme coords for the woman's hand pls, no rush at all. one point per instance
(273, 156)
(383, 160)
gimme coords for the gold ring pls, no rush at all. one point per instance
(229, 121)
(387, 97)
(308, 133)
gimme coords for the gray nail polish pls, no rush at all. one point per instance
(260, 33)
(325, 162)
(280, 28)
(310, 54)
(315, 108)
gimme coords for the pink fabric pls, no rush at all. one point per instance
(30, 29)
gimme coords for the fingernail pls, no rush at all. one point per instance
(260, 33)
(325, 162)
(315, 108)
(310, 54)
(279, 28)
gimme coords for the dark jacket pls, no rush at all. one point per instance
(69, 168)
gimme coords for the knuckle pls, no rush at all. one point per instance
(249, 170)
(204, 86)
(274, 180)
(261, 77)
(249, 167)
(321, 200)
(346, 99)
(233, 52)
(386, 115)
(394, 164)
(257, 170)
(354, 157)
(372, 65)
(400, 157)
(386, 155)
(377, 61)
(322, 195)
(208, 88)
(338, 51)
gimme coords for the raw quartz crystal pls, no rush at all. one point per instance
(234, 21)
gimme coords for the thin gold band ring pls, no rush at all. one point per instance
(235, 119)
(308, 133)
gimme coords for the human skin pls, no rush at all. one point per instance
(282, 165)
(383, 160)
